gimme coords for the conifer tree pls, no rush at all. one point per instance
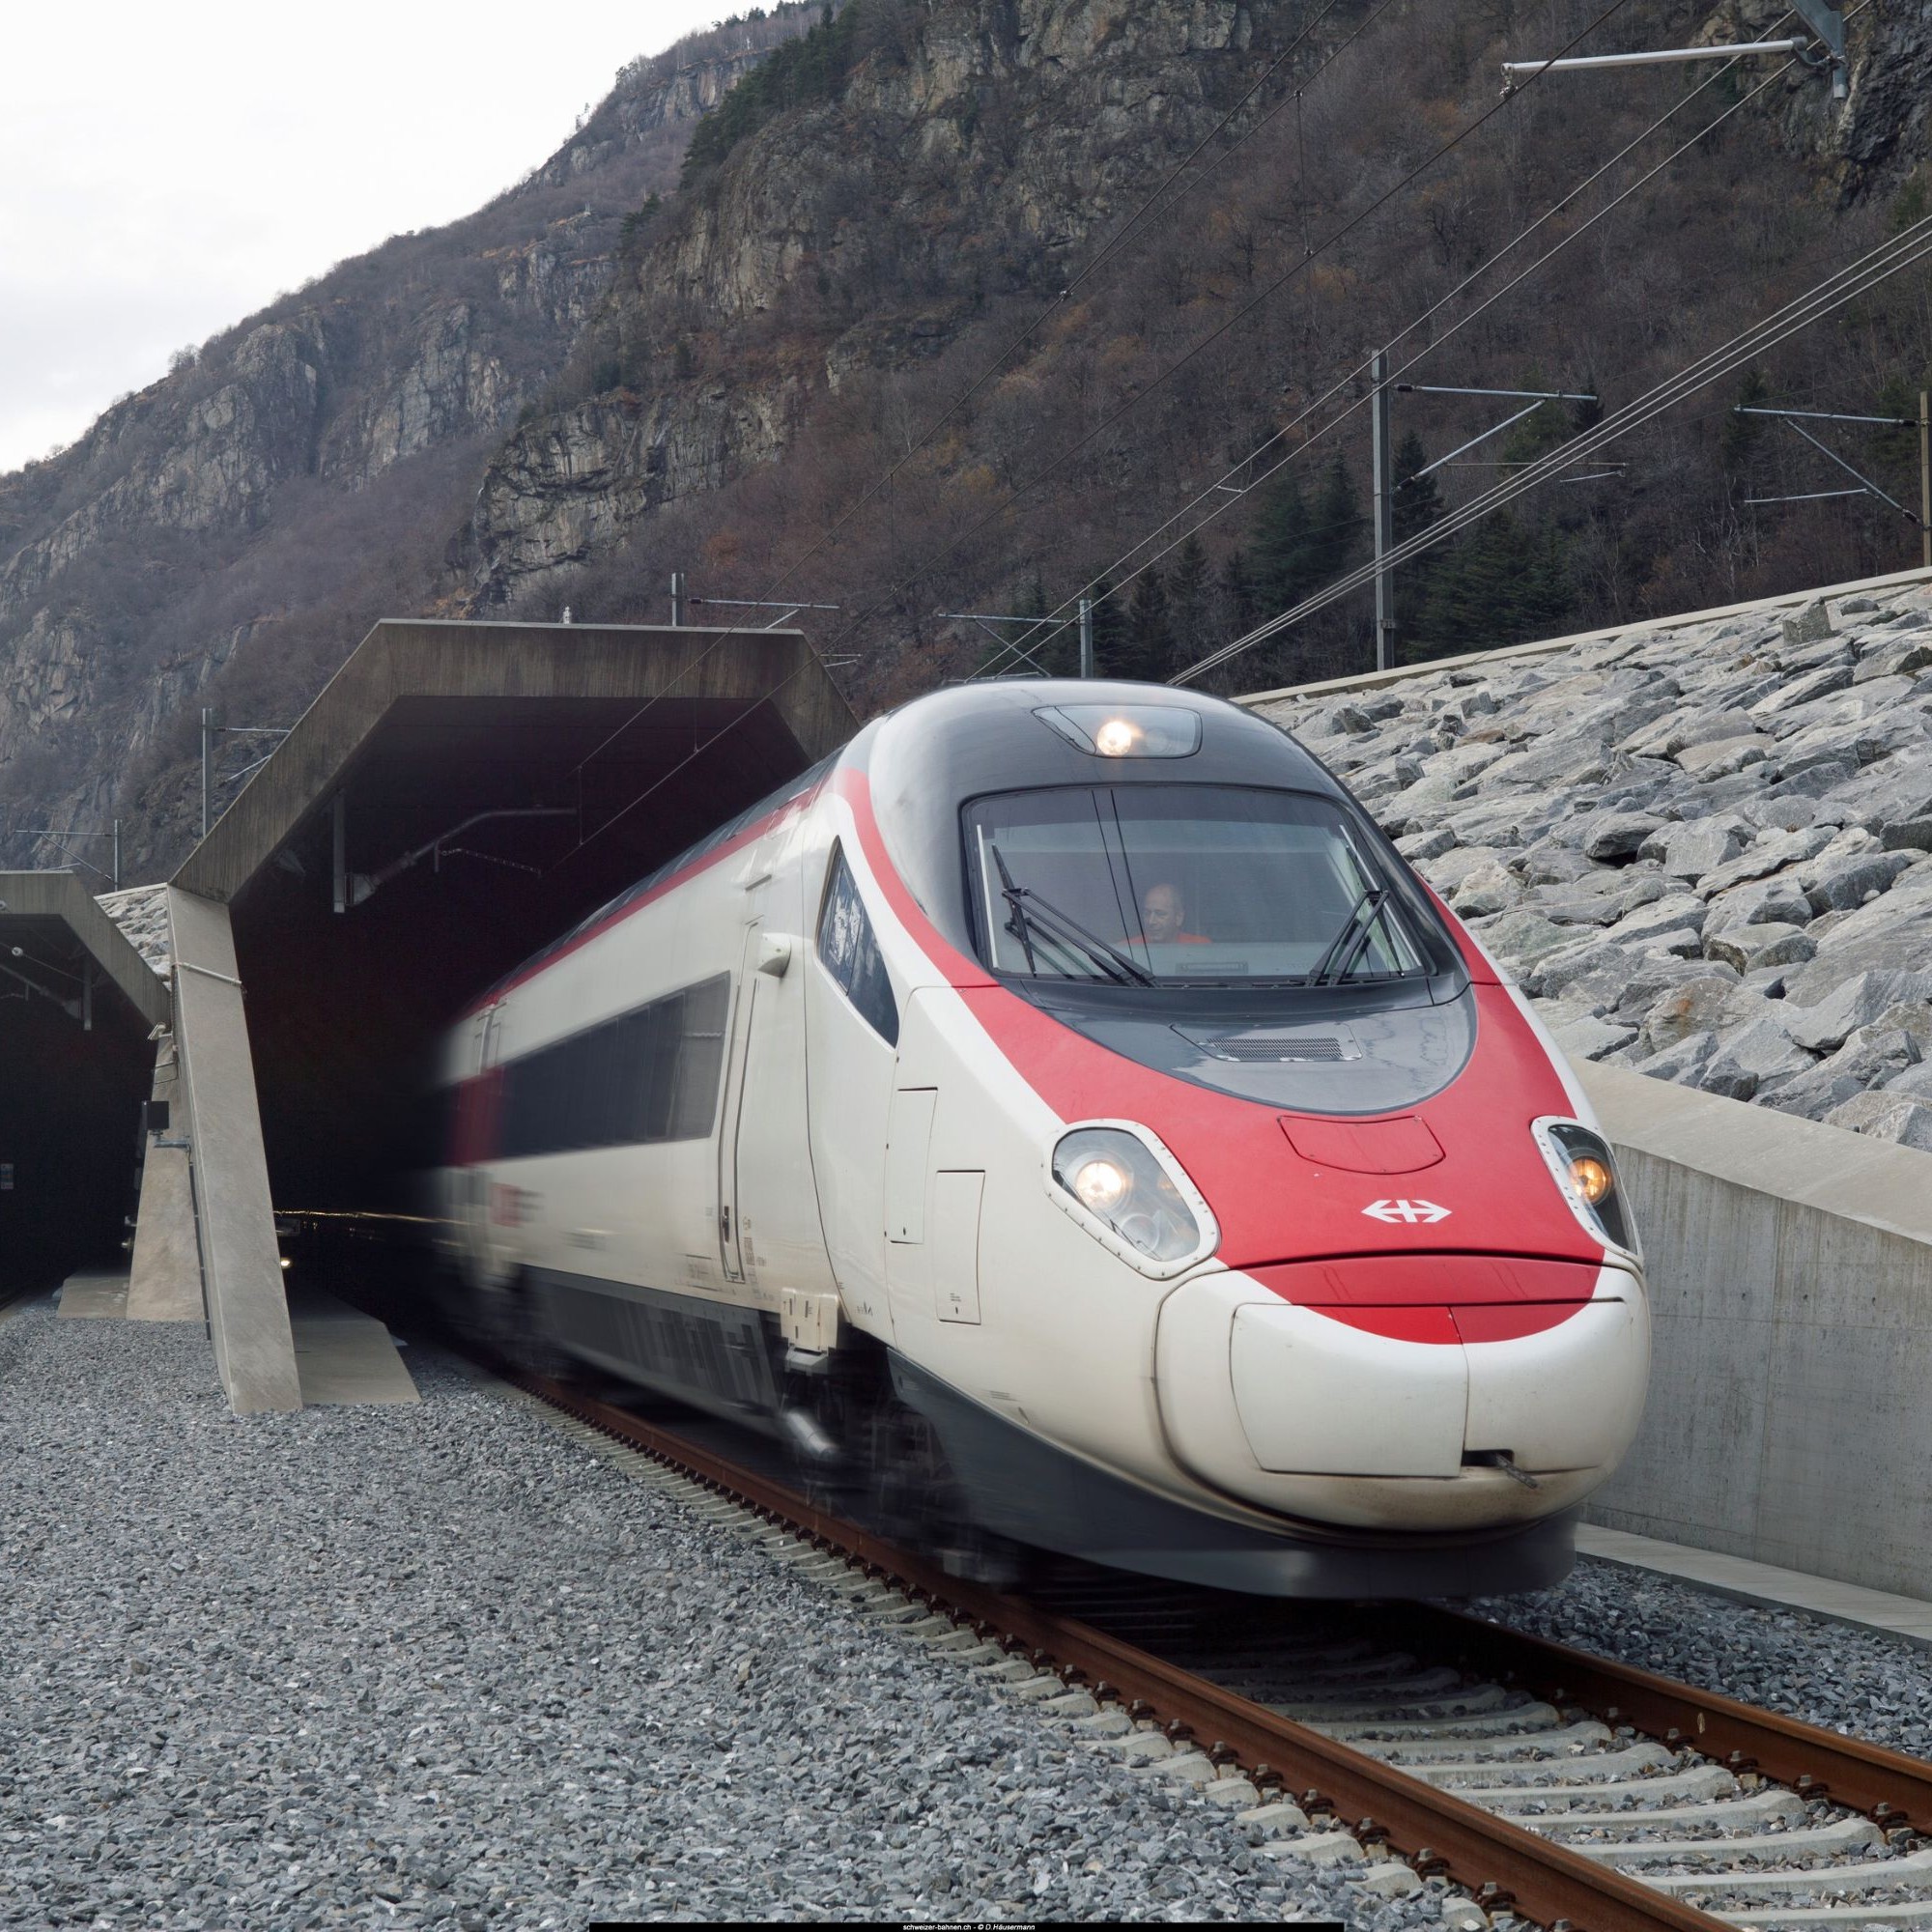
(1110, 632)
(1236, 594)
(1280, 543)
(1335, 525)
(1188, 598)
(1149, 638)
(1417, 502)
(1417, 506)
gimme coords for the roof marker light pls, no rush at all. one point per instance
(1125, 730)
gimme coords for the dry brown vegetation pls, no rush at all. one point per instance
(908, 264)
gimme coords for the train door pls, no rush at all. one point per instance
(501, 1203)
(744, 1015)
(468, 1203)
(776, 1217)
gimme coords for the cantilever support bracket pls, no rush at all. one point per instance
(1828, 24)
(351, 888)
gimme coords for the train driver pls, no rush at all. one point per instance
(1164, 918)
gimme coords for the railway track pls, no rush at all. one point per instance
(1549, 1784)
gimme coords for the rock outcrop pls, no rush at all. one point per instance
(1704, 851)
(304, 472)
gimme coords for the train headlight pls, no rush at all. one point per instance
(1134, 1196)
(1581, 1162)
(1100, 1184)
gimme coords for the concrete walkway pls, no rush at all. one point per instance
(343, 1355)
(1763, 1584)
(99, 1293)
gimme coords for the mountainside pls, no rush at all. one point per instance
(638, 361)
(227, 534)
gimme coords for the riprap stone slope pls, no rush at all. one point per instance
(1705, 851)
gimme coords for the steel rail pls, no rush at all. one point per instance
(1894, 1790)
(1504, 1866)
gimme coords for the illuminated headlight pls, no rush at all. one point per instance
(1122, 1184)
(1116, 738)
(1587, 1175)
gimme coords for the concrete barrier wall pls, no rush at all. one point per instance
(1790, 1269)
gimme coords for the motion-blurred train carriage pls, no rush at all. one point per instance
(1064, 1116)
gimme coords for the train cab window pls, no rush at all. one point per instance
(1180, 884)
(850, 950)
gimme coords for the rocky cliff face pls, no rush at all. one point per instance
(1705, 852)
(980, 143)
(613, 370)
(208, 509)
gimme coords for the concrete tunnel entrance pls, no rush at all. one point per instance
(456, 797)
(77, 1007)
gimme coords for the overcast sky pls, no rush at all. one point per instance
(165, 170)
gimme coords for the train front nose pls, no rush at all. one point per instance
(1405, 1392)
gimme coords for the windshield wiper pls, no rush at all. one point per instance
(1016, 923)
(1347, 946)
(1032, 913)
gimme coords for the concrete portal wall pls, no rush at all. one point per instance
(241, 1259)
(1790, 1271)
(165, 1280)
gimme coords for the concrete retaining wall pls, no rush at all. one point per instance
(1791, 1279)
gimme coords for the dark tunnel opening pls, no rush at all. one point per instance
(70, 1137)
(345, 1010)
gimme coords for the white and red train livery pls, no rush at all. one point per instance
(1066, 1104)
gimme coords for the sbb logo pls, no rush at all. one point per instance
(1408, 1212)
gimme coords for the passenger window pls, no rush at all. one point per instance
(648, 1075)
(851, 954)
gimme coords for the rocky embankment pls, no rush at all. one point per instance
(141, 912)
(1704, 850)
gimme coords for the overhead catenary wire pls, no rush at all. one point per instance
(1214, 335)
(1911, 245)
(1846, 285)
(1228, 493)
(1117, 240)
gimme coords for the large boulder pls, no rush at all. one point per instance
(1772, 851)
(1887, 1117)
(1675, 912)
(1588, 1037)
(1486, 888)
(1773, 902)
(1723, 757)
(1682, 1061)
(1759, 1053)
(1852, 1003)
(1694, 1008)
(1689, 851)
(1809, 625)
(1521, 937)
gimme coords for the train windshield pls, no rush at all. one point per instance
(1182, 884)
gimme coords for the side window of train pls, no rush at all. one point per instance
(650, 1074)
(850, 950)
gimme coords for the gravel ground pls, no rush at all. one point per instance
(1862, 1683)
(440, 1666)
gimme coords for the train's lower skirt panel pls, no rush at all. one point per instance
(1025, 1488)
(711, 1354)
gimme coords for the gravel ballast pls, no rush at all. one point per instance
(402, 1666)
(1864, 1683)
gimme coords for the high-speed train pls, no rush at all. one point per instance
(1065, 1113)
